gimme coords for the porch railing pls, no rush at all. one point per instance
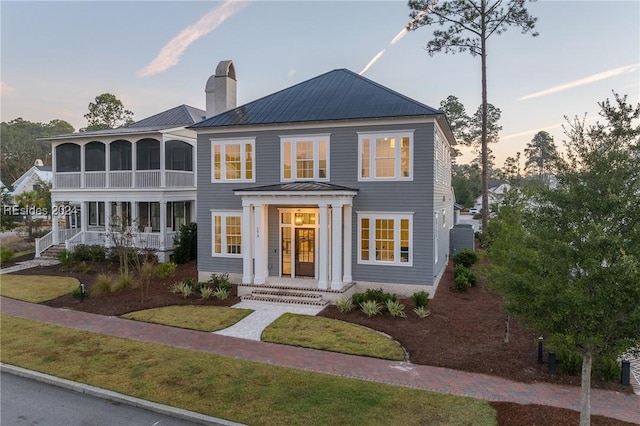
(120, 179)
(43, 243)
(67, 180)
(179, 178)
(95, 179)
(124, 179)
(148, 179)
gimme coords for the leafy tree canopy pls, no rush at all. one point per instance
(568, 259)
(20, 147)
(107, 112)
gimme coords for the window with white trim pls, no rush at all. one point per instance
(226, 234)
(385, 155)
(304, 158)
(233, 160)
(385, 238)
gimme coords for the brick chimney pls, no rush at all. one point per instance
(221, 89)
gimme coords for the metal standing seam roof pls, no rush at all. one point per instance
(182, 115)
(297, 187)
(336, 95)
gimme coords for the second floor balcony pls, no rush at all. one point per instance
(147, 163)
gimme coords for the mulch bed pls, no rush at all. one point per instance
(464, 331)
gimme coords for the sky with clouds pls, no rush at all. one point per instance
(56, 57)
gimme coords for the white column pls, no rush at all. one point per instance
(163, 174)
(82, 166)
(261, 247)
(134, 163)
(336, 246)
(163, 223)
(247, 260)
(54, 166)
(347, 237)
(107, 217)
(323, 255)
(134, 216)
(84, 219)
(54, 223)
(107, 168)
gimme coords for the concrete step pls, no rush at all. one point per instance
(286, 298)
(285, 293)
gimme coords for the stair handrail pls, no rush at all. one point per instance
(43, 243)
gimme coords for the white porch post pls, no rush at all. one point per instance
(54, 223)
(163, 223)
(261, 248)
(247, 260)
(134, 216)
(84, 221)
(82, 172)
(107, 221)
(134, 164)
(336, 247)
(163, 172)
(346, 244)
(323, 255)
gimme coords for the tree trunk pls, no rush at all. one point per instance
(483, 137)
(585, 398)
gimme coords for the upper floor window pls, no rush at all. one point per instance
(68, 157)
(304, 157)
(233, 160)
(94, 157)
(178, 156)
(120, 155)
(148, 154)
(385, 155)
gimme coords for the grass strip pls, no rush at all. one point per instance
(36, 288)
(331, 335)
(238, 390)
(202, 318)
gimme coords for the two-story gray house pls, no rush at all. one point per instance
(334, 183)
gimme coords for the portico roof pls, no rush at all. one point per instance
(297, 187)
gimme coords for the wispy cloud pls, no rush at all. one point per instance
(583, 81)
(170, 54)
(396, 39)
(5, 89)
(534, 131)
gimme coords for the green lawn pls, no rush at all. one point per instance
(257, 394)
(36, 288)
(203, 318)
(331, 335)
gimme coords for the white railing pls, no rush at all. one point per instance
(148, 179)
(179, 178)
(95, 179)
(120, 179)
(65, 234)
(43, 243)
(67, 180)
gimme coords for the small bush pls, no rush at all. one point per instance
(477, 216)
(422, 312)
(466, 258)
(103, 285)
(462, 282)
(186, 244)
(65, 257)
(6, 254)
(420, 299)
(345, 305)
(570, 361)
(166, 270)
(85, 268)
(395, 308)
(358, 299)
(76, 293)
(606, 368)
(221, 281)
(206, 292)
(92, 253)
(200, 285)
(221, 293)
(123, 282)
(460, 270)
(370, 308)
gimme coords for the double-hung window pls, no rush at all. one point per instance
(304, 157)
(227, 234)
(233, 160)
(385, 238)
(385, 155)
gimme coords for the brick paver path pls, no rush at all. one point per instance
(443, 380)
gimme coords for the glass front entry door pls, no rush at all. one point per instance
(305, 252)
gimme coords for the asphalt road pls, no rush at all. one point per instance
(28, 402)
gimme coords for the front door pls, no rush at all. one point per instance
(305, 252)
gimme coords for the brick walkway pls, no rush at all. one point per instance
(442, 380)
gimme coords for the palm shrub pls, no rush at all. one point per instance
(221, 293)
(345, 305)
(421, 311)
(395, 308)
(206, 292)
(370, 308)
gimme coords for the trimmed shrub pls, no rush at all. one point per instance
(166, 270)
(468, 273)
(84, 253)
(6, 254)
(185, 246)
(420, 299)
(462, 283)
(465, 258)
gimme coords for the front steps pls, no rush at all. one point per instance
(290, 293)
(52, 252)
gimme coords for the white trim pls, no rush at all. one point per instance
(243, 142)
(397, 235)
(224, 215)
(315, 139)
(397, 135)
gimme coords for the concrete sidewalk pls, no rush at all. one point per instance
(442, 380)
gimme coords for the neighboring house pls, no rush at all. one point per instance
(333, 181)
(139, 177)
(32, 179)
(496, 195)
